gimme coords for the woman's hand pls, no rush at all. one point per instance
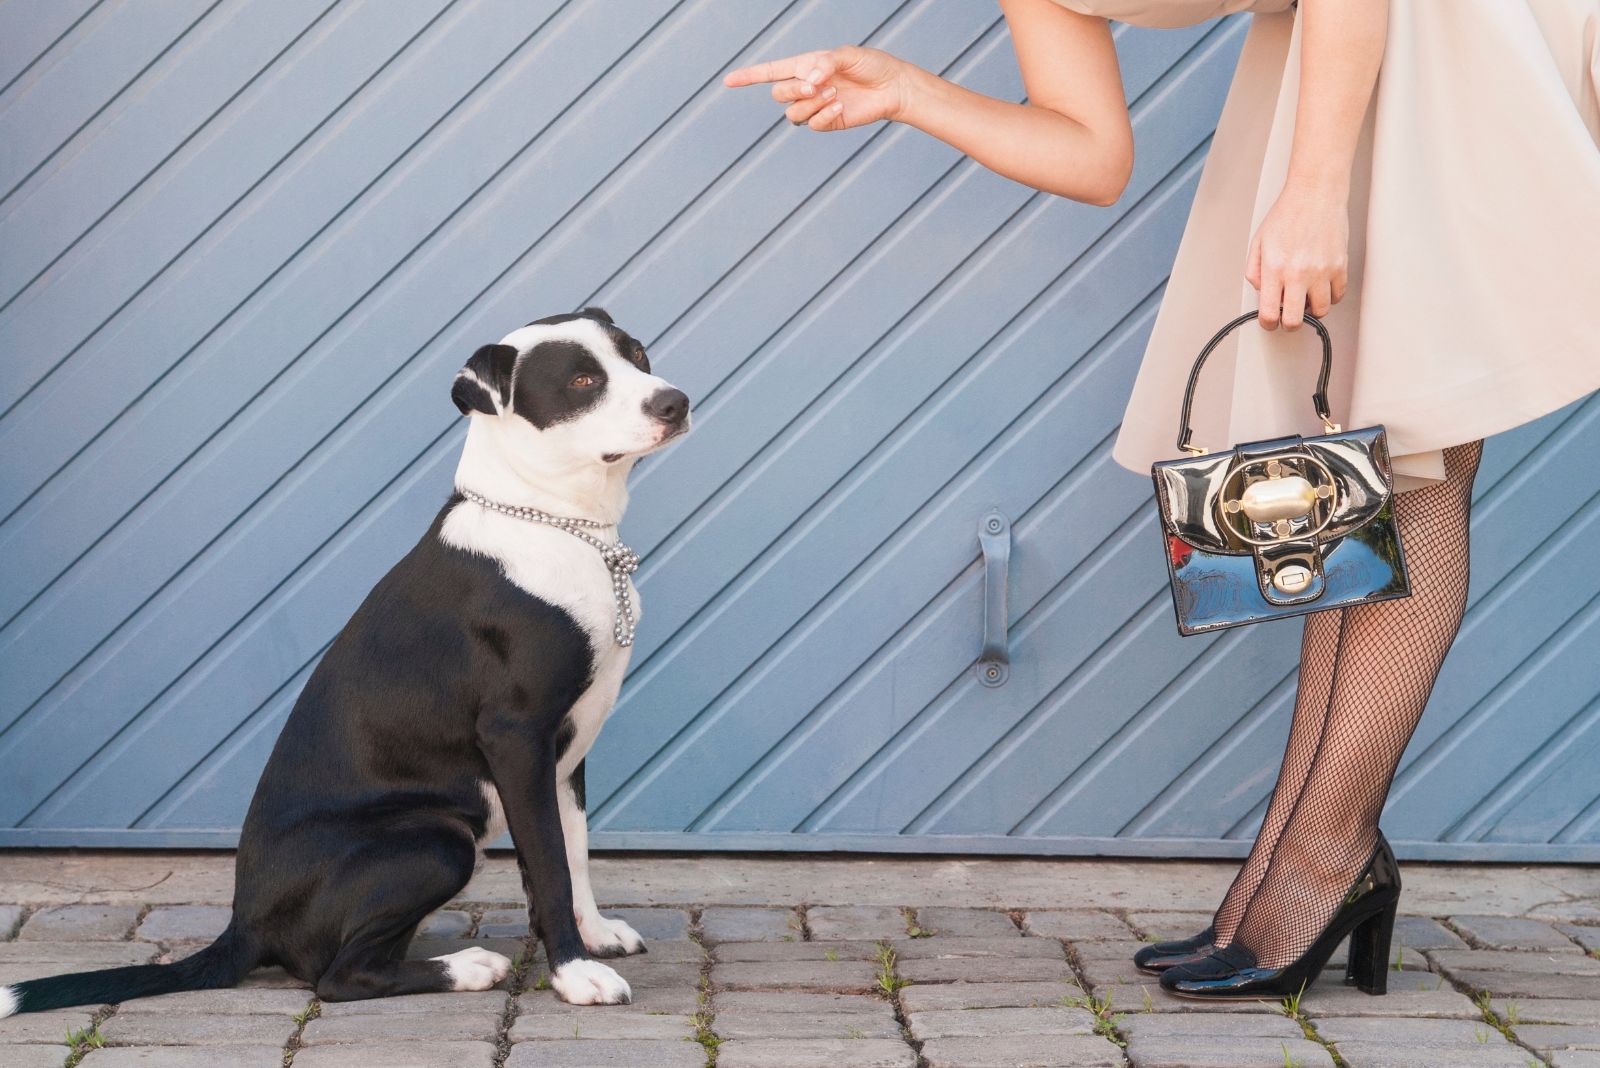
(834, 90)
(1300, 256)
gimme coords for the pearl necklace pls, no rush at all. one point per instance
(620, 560)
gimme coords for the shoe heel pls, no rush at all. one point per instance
(1369, 952)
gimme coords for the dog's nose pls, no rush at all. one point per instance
(668, 405)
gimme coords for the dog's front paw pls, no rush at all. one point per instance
(610, 938)
(588, 982)
(475, 968)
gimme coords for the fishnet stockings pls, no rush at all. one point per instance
(1365, 676)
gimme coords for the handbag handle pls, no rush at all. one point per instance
(1319, 399)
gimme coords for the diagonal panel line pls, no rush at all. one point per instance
(139, 183)
(47, 49)
(116, 94)
(333, 219)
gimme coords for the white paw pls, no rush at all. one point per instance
(610, 938)
(475, 968)
(588, 982)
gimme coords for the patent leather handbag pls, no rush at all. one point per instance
(1278, 528)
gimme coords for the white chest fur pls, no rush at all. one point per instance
(556, 567)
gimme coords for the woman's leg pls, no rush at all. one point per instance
(1385, 663)
(1317, 645)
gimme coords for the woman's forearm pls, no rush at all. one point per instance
(1033, 145)
(1341, 48)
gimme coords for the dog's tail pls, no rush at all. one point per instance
(221, 964)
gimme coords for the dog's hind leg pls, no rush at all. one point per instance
(393, 888)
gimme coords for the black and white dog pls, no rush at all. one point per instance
(458, 701)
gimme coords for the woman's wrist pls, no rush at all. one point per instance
(1327, 184)
(919, 91)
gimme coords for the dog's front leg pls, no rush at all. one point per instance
(601, 936)
(524, 769)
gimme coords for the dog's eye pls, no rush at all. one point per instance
(637, 355)
(583, 382)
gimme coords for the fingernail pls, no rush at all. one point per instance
(807, 89)
(829, 93)
(834, 109)
(814, 77)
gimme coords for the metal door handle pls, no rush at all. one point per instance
(994, 539)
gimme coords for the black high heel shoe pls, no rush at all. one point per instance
(1159, 956)
(1367, 915)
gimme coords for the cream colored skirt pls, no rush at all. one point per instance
(1474, 297)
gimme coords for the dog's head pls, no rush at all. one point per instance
(576, 389)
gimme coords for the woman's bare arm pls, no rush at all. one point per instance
(1300, 254)
(1072, 138)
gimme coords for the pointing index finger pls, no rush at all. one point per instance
(773, 70)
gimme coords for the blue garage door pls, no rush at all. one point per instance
(244, 247)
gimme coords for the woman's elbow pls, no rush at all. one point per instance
(1113, 175)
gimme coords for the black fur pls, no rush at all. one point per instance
(492, 366)
(368, 812)
(546, 393)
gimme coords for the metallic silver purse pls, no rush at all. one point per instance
(1278, 528)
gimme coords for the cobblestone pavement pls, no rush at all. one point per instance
(828, 963)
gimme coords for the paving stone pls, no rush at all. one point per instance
(1471, 1055)
(229, 1003)
(1559, 1036)
(1574, 1058)
(1585, 936)
(1076, 925)
(1530, 984)
(932, 997)
(985, 970)
(841, 976)
(196, 1029)
(272, 979)
(642, 972)
(1449, 1033)
(594, 1022)
(1115, 952)
(761, 1001)
(1208, 1026)
(1430, 1003)
(749, 925)
(1506, 960)
(1188, 1052)
(80, 923)
(1511, 932)
(856, 921)
(184, 923)
(36, 1056)
(602, 1053)
(43, 1027)
(653, 924)
(1548, 1010)
(201, 1057)
(1569, 911)
(504, 923)
(1423, 932)
(813, 1053)
(732, 952)
(478, 1001)
(981, 1023)
(77, 954)
(852, 1025)
(392, 1055)
(402, 1027)
(678, 1001)
(1167, 926)
(934, 948)
(1022, 1051)
(446, 923)
(679, 951)
(10, 920)
(966, 923)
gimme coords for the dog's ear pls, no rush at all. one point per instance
(598, 313)
(484, 384)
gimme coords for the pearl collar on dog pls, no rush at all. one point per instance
(620, 560)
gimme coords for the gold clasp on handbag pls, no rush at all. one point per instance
(1272, 499)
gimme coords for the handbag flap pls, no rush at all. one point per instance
(1358, 460)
